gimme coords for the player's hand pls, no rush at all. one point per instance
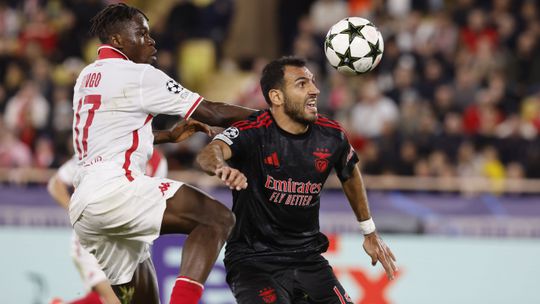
(378, 251)
(186, 128)
(215, 131)
(232, 178)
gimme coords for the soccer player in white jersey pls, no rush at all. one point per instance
(94, 279)
(116, 210)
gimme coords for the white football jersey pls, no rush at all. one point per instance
(156, 166)
(114, 102)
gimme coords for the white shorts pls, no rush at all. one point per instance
(118, 226)
(86, 264)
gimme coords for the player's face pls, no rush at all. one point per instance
(300, 94)
(136, 41)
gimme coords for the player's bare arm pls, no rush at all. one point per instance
(59, 191)
(373, 245)
(220, 114)
(182, 131)
(212, 160)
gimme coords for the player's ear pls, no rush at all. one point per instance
(116, 41)
(276, 96)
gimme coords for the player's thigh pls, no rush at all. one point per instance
(189, 207)
(143, 288)
(87, 265)
(253, 285)
(317, 284)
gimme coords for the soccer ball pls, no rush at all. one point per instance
(354, 46)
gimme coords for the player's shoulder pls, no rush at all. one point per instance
(117, 70)
(258, 120)
(327, 124)
(330, 128)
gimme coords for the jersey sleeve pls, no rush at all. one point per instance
(346, 161)
(66, 172)
(240, 141)
(160, 94)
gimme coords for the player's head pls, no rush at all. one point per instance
(288, 83)
(125, 28)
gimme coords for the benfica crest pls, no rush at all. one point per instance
(268, 295)
(321, 161)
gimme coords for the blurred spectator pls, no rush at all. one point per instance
(478, 30)
(13, 152)
(40, 74)
(44, 153)
(466, 163)
(340, 97)
(184, 18)
(482, 117)
(27, 112)
(530, 110)
(325, 13)
(444, 101)
(451, 136)
(445, 35)
(9, 22)
(38, 36)
(439, 165)
(14, 77)
(524, 66)
(492, 167)
(408, 155)
(466, 85)
(404, 83)
(370, 162)
(410, 111)
(372, 111)
(251, 94)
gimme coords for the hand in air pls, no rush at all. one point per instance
(186, 128)
(379, 251)
(232, 178)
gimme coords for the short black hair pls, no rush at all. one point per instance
(273, 73)
(104, 23)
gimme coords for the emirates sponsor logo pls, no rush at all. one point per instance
(291, 186)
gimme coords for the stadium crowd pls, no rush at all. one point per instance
(457, 92)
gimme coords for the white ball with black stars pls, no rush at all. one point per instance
(354, 46)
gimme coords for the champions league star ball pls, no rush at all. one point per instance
(354, 46)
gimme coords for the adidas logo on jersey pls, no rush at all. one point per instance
(272, 160)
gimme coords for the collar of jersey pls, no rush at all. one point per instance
(106, 51)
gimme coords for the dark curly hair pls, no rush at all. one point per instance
(105, 22)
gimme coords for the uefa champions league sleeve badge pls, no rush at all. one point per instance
(173, 87)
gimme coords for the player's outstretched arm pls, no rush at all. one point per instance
(182, 131)
(59, 191)
(220, 114)
(373, 245)
(212, 159)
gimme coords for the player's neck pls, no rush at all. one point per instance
(288, 124)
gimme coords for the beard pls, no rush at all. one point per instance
(297, 112)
